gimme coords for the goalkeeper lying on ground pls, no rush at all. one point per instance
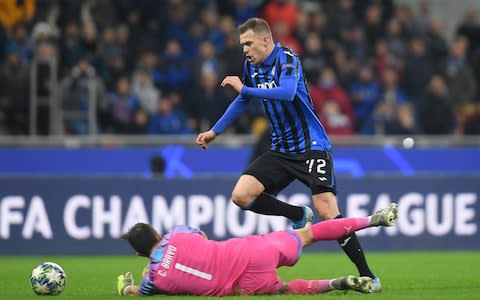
(185, 262)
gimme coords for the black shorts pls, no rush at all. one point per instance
(277, 170)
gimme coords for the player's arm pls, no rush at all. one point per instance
(287, 84)
(238, 106)
(126, 286)
(234, 110)
(285, 92)
(133, 290)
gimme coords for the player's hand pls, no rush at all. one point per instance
(234, 82)
(124, 281)
(204, 138)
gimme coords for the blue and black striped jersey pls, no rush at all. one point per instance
(295, 126)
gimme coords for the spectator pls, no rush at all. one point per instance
(243, 10)
(14, 93)
(280, 34)
(404, 14)
(421, 22)
(359, 49)
(146, 91)
(374, 28)
(13, 12)
(437, 45)
(98, 12)
(115, 69)
(436, 114)
(127, 43)
(173, 73)
(327, 90)
(157, 166)
(384, 59)
(139, 124)
(207, 102)
(281, 10)
(343, 19)
(45, 53)
(303, 26)
(68, 11)
(393, 114)
(395, 39)
(313, 57)
(418, 69)
(212, 32)
(76, 90)
(344, 67)
(148, 61)
(70, 47)
(20, 40)
(459, 75)
(470, 29)
(89, 41)
(122, 105)
(168, 120)
(108, 46)
(232, 57)
(334, 120)
(365, 94)
(206, 61)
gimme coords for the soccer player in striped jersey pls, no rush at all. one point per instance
(185, 262)
(300, 147)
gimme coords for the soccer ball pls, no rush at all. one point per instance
(48, 278)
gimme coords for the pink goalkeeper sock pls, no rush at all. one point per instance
(304, 287)
(338, 228)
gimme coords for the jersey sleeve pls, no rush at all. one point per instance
(233, 112)
(147, 287)
(288, 64)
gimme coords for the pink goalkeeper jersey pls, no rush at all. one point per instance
(185, 262)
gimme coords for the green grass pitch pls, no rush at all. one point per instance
(405, 275)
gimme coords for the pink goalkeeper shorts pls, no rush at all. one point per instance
(267, 253)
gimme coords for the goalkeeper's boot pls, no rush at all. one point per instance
(359, 284)
(306, 220)
(385, 216)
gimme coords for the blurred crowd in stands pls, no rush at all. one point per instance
(154, 66)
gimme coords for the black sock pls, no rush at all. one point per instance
(266, 204)
(351, 246)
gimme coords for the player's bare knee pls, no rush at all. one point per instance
(241, 198)
(306, 236)
(326, 205)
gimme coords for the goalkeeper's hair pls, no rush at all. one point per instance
(142, 237)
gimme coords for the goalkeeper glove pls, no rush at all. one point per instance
(124, 281)
(145, 271)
